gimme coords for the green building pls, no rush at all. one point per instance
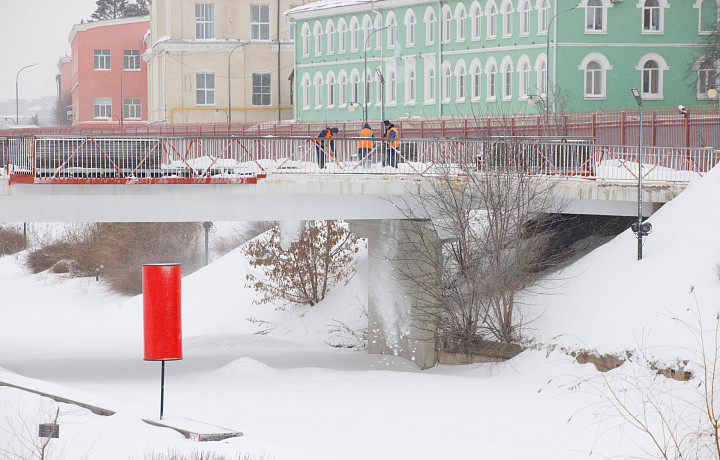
(467, 58)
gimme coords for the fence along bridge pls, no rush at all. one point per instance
(95, 178)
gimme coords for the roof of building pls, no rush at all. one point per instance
(108, 22)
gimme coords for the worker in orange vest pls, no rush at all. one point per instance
(392, 135)
(325, 144)
(365, 145)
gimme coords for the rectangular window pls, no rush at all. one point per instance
(594, 19)
(103, 107)
(132, 109)
(707, 78)
(260, 22)
(291, 25)
(205, 88)
(651, 19)
(101, 59)
(131, 59)
(261, 88)
(204, 21)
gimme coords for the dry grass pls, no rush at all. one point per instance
(117, 251)
(12, 241)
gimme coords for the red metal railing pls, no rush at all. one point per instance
(664, 127)
(119, 160)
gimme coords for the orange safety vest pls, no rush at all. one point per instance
(395, 141)
(365, 143)
(328, 135)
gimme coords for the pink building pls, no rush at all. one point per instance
(107, 75)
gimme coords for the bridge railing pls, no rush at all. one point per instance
(63, 159)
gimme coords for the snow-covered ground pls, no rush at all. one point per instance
(295, 397)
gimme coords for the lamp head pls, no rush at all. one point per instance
(638, 96)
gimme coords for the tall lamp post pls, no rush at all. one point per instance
(229, 117)
(547, 53)
(367, 84)
(17, 99)
(641, 229)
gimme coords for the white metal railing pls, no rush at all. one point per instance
(43, 159)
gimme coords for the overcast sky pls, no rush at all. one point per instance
(36, 31)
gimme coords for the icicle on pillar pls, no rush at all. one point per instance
(162, 317)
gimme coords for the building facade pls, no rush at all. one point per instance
(105, 80)
(220, 61)
(360, 59)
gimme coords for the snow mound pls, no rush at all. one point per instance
(610, 301)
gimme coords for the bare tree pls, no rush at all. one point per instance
(304, 272)
(492, 227)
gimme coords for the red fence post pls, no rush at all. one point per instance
(654, 124)
(687, 129)
(622, 128)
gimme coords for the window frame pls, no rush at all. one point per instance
(205, 21)
(132, 108)
(604, 64)
(600, 10)
(460, 23)
(410, 23)
(661, 68)
(205, 90)
(525, 12)
(101, 59)
(318, 33)
(105, 105)
(430, 21)
(491, 21)
(507, 19)
(131, 56)
(262, 90)
(259, 25)
(476, 14)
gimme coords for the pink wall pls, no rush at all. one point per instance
(89, 83)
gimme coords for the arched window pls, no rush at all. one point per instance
(342, 36)
(367, 88)
(355, 87)
(330, 82)
(476, 72)
(330, 32)
(410, 88)
(507, 19)
(543, 8)
(306, 91)
(491, 20)
(354, 34)
(652, 66)
(367, 28)
(392, 87)
(409, 28)
(594, 16)
(491, 72)
(707, 16)
(541, 72)
(391, 31)
(430, 87)
(653, 14)
(446, 24)
(525, 18)
(305, 35)
(507, 73)
(378, 26)
(476, 20)
(461, 19)
(446, 83)
(707, 78)
(460, 74)
(318, 91)
(318, 32)
(342, 89)
(595, 67)
(430, 23)
(524, 74)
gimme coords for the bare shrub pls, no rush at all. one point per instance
(12, 240)
(305, 271)
(118, 250)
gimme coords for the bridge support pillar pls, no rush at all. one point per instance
(400, 311)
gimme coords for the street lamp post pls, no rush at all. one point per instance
(367, 84)
(17, 99)
(641, 229)
(229, 117)
(207, 225)
(547, 53)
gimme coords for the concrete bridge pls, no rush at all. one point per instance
(87, 180)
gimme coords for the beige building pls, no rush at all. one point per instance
(219, 61)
